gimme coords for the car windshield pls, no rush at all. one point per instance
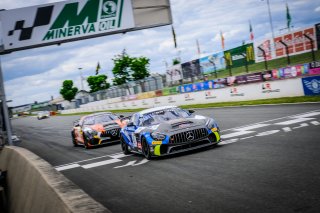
(99, 119)
(157, 117)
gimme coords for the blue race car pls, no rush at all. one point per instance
(167, 130)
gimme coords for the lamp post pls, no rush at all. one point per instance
(270, 21)
(81, 78)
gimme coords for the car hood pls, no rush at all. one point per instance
(103, 126)
(177, 124)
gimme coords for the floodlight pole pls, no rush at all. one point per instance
(5, 111)
(271, 24)
(81, 78)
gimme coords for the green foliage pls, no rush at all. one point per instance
(67, 91)
(98, 82)
(121, 69)
(175, 61)
(139, 66)
(128, 68)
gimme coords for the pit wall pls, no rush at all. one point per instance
(35, 186)
(254, 91)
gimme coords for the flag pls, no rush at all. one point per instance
(222, 40)
(251, 32)
(98, 68)
(174, 37)
(198, 47)
(288, 17)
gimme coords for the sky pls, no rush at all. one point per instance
(37, 74)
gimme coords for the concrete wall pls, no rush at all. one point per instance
(245, 92)
(35, 186)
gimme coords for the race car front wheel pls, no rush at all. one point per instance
(85, 142)
(74, 141)
(145, 149)
(124, 146)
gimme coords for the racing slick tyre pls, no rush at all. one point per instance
(85, 142)
(145, 149)
(74, 141)
(124, 146)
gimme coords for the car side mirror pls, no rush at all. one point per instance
(191, 111)
(130, 123)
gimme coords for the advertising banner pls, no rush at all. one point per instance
(238, 56)
(174, 73)
(186, 88)
(197, 86)
(146, 95)
(220, 83)
(296, 41)
(267, 75)
(266, 45)
(204, 85)
(212, 63)
(243, 79)
(170, 90)
(290, 72)
(254, 77)
(64, 21)
(191, 69)
(314, 68)
(311, 85)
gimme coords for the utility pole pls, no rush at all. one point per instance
(271, 24)
(81, 78)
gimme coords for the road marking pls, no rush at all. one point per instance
(316, 123)
(101, 163)
(141, 162)
(246, 137)
(229, 141)
(119, 156)
(289, 116)
(71, 166)
(131, 163)
(90, 159)
(271, 132)
(298, 120)
(301, 125)
(286, 129)
(243, 131)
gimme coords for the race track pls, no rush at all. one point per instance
(269, 161)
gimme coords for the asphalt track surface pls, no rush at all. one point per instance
(269, 161)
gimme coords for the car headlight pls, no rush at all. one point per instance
(158, 136)
(92, 132)
(211, 123)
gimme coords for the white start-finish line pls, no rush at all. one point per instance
(300, 121)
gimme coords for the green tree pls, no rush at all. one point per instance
(98, 82)
(121, 69)
(139, 67)
(67, 91)
(128, 68)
